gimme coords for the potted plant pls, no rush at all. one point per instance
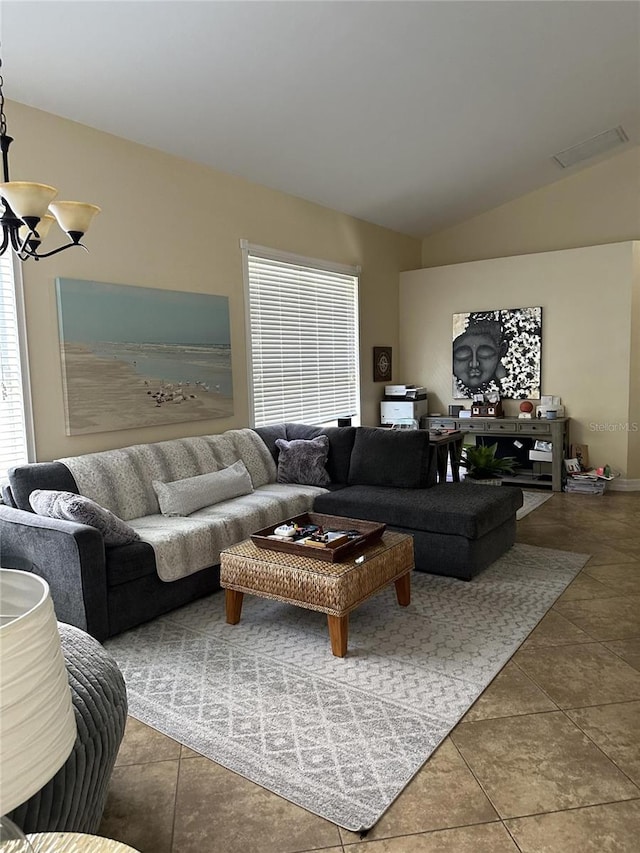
(484, 466)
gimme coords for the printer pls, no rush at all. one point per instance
(403, 403)
(405, 392)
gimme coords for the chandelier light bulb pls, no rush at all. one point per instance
(26, 199)
(45, 224)
(74, 217)
(42, 230)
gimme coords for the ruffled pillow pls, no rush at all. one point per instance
(303, 461)
(182, 497)
(68, 506)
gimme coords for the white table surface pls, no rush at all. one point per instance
(75, 842)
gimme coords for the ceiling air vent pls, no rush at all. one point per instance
(591, 147)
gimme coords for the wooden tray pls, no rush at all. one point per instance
(369, 532)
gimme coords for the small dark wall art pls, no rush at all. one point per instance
(497, 353)
(382, 364)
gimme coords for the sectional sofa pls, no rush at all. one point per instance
(173, 555)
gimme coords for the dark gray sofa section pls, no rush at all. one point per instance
(366, 455)
(341, 440)
(103, 591)
(376, 474)
(458, 529)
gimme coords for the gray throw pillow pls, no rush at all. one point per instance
(182, 497)
(68, 506)
(303, 461)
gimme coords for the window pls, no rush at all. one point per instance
(303, 338)
(15, 420)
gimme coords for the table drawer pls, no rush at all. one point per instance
(499, 426)
(441, 423)
(534, 426)
(470, 425)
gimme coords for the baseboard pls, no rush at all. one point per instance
(619, 485)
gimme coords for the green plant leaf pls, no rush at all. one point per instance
(481, 462)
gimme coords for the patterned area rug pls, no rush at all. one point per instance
(532, 500)
(339, 737)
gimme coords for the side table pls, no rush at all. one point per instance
(448, 447)
(75, 842)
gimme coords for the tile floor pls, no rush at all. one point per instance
(546, 761)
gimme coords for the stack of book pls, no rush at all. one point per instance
(592, 482)
(586, 482)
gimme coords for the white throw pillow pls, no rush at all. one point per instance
(182, 497)
(68, 506)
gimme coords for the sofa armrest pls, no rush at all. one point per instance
(69, 556)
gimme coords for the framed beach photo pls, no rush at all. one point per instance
(141, 356)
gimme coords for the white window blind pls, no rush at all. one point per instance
(303, 332)
(13, 421)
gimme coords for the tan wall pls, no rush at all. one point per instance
(634, 387)
(172, 224)
(586, 296)
(599, 204)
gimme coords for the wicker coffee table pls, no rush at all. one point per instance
(332, 588)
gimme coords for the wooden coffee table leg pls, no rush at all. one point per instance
(403, 590)
(338, 634)
(233, 603)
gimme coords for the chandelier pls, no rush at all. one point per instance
(29, 209)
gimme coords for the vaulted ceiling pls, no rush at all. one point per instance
(411, 115)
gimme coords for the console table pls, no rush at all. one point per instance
(556, 431)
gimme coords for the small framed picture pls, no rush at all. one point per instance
(382, 364)
(572, 466)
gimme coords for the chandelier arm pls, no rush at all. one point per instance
(5, 240)
(22, 244)
(37, 257)
(16, 242)
(18, 245)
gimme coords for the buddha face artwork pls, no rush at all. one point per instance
(497, 353)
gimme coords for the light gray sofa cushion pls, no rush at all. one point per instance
(122, 479)
(68, 506)
(184, 545)
(182, 497)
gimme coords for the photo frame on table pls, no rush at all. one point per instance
(382, 364)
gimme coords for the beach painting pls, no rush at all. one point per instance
(142, 356)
